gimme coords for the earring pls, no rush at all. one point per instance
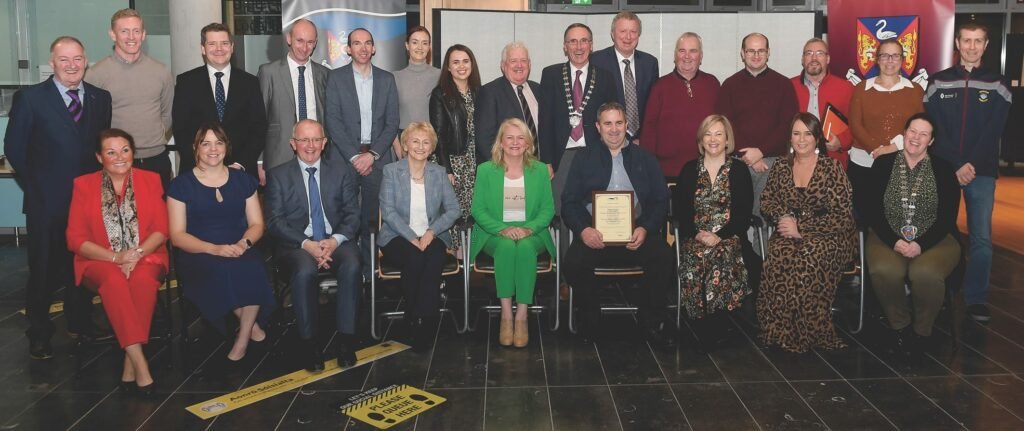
(817, 151)
(791, 150)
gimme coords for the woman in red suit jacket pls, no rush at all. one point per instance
(117, 228)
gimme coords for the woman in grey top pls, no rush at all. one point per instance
(415, 81)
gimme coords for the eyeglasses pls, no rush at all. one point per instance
(576, 42)
(305, 141)
(890, 57)
(757, 52)
(818, 53)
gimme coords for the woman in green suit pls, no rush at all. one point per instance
(512, 206)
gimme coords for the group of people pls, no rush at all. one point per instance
(338, 154)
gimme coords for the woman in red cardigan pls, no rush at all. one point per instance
(117, 228)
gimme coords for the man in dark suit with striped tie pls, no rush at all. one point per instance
(51, 139)
(511, 95)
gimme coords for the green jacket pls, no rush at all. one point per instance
(488, 203)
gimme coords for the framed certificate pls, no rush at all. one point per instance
(613, 216)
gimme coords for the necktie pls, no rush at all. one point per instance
(75, 107)
(632, 114)
(527, 114)
(219, 95)
(302, 93)
(577, 98)
(316, 212)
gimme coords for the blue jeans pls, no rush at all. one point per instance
(979, 196)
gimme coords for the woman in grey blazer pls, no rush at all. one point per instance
(418, 206)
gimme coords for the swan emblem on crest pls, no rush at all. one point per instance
(882, 33)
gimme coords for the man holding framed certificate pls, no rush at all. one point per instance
(615, 202)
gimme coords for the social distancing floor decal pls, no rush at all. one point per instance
(259, 392)
(390, 406)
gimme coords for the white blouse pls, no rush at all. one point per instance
(418, 208)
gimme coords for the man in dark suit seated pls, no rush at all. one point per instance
(216, 91)
(635, 71)
(619, 166)
(293, 90)
(511, 95)
(313, 218)
(362, 122)
(571, 92)
(51, 139)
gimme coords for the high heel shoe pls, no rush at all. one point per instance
(146, 391)
(505, 332)
(521, 333)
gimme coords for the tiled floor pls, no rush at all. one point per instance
(556, 383)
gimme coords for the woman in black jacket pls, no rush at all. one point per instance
(713, 205)
(913, 234)
(451, 114)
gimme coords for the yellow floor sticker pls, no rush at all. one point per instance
(390, 406)
(267, 389)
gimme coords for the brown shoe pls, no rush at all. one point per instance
(522, 333)
(505, 332)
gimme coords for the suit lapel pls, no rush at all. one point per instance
(56, 101)
(285, 73)
(404, 188)
(319, 87)
(296, 173)
(374, 106)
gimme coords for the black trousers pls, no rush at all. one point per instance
(50, 268)
(160, 163)
(421, 274)
(654, 256)
(860, 180)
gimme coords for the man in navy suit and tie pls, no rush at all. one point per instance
(51, 139)
(635, 71)
(216, 91)
(511, 95)
(313, 218)
(362, 122)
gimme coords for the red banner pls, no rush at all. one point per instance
(857, 27)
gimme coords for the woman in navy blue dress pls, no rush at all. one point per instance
(215, 219)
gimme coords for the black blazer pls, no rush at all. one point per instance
(949, 202)
(592, 170)
(497, 101)
(645, 72)
(554, 126)
(245, 119)
(741, 204)
(288, 208)
(47, 149)
(451, 122)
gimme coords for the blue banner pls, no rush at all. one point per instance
(334, 19)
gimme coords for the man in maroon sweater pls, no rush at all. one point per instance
(676, 106)
(816, 88)
(760, 103)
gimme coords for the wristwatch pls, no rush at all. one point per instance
(248, 244)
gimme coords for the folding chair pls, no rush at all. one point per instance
(385, 269)
(484, 264)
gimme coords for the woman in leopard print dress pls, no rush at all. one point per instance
(452, 104)
(809, 200)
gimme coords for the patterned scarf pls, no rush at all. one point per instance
(121, 221)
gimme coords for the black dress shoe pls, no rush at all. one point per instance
(146, 391)
(346, 351)
(127, 387)
(315, 358)
(40, 349)
(423, 334)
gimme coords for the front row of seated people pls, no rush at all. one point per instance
(119, 226)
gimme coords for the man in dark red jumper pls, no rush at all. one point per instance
(760, 103)
(816, 88)
(678, 103)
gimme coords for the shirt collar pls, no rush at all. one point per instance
(904, 83)
(63, 89)
(621, 57)
(212, 70)
(125, 61)
(573, 69)
(680, 75)
(303, 165)
(759, 74)
(293, 64)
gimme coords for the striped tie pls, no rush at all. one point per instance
(632, 110)
(302, 93)
(75, 107)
